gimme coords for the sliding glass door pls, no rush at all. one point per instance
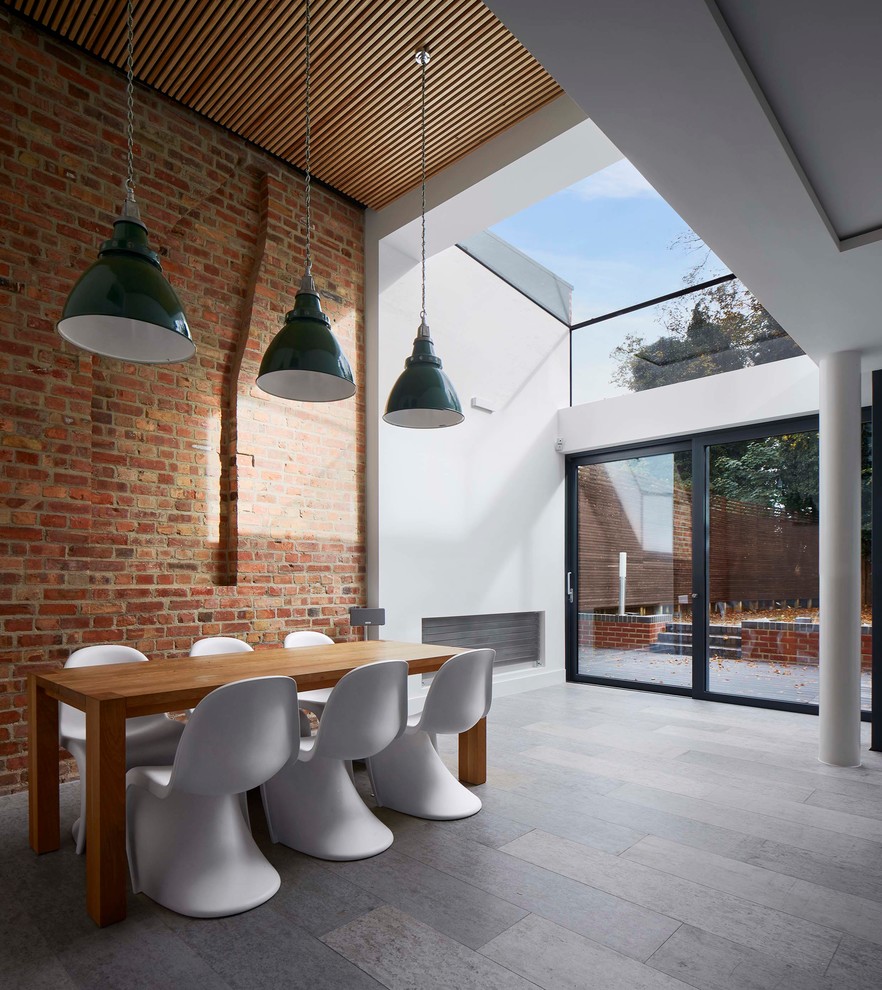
(693, 566)
(762, 607)
(631, 585)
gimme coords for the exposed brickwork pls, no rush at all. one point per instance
(786, 642)
(768, 642)
(153, 505)
(614, 632)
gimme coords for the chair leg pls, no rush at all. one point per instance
(377, 797)
(78, 829)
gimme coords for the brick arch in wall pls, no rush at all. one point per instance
(247, 508)
(154, 505)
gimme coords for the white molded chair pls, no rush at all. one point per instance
(189, 845)
(409, 775)
(219, 644)
(209, 647)
(312, 804)
(149, 738)
(306, 637)
(315, 700)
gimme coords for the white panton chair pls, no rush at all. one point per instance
(212, 645)
(149, 738)
(306, 637)
(188, 842)
(316, 700)
(312, 804)
(409, 775)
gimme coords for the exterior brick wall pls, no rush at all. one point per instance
(154, 505)
(619, 632)
(791, 642)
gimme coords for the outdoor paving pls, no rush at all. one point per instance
(752, 678)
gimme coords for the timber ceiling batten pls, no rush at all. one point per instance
(240, 64)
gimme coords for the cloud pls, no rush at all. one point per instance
(618, 181)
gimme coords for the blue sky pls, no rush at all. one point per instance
(614, 238)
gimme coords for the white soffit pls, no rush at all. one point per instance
(667, 85)
(543, 154)
(819, 67)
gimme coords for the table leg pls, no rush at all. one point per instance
(43, 813)
(106, 810)
(473, 754)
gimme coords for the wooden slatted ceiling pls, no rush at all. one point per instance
(241, 64)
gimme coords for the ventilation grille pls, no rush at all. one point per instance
(516, 636)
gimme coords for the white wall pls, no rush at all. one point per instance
(751, 395)
(471, 518)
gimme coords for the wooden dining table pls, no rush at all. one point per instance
(111, 694)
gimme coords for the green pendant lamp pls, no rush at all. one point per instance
(304, 360)
(423, 398)
(122, 306)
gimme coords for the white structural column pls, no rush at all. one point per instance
(840, 581)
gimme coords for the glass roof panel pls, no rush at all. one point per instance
(546, 289)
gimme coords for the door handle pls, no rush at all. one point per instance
(570, 587)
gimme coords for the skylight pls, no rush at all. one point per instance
(614, 239)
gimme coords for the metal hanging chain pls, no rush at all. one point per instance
(130, 104)
(308, 153)
(422, 58)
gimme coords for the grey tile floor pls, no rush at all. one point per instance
(628, 840)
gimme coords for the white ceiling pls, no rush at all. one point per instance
(760, 123)
(818, 66)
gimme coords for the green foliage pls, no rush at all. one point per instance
(723, 328)
(779, 473)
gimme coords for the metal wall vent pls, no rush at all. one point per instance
(516, 636)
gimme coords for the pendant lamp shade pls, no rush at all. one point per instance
(423, 397)
(304, 360)
(123, 307)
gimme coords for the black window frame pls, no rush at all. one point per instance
(697, 443)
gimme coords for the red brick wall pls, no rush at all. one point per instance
(154, 505)
(609, 632)
(793, 645)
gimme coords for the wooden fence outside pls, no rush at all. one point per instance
(757, 554)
